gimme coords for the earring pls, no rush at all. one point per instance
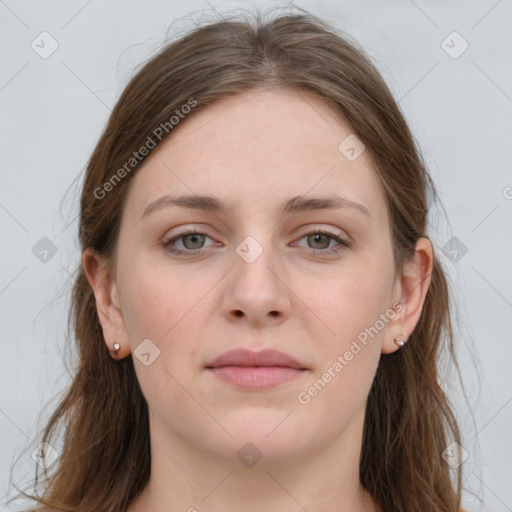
(401, 342)
(116, 346)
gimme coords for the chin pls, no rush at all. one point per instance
(276, 430)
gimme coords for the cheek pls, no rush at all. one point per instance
(349, 302)
(169, 309)
(356, 307)
(156, 294)
(164, 310)
(349, 356)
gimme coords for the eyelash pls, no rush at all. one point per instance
(344, 244)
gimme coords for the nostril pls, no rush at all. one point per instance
(239, 313)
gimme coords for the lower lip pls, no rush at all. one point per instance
(256, 377)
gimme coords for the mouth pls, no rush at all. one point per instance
(255, 370)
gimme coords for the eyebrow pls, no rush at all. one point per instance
(295, 204)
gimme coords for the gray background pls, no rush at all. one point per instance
(54, 109)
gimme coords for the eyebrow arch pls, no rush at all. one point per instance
(295, 204)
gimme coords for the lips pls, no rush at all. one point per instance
(242, 357)
(255, 371)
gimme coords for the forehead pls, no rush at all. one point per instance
(257, 149)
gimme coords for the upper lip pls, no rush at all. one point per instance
(243, 357)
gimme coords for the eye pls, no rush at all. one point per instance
(324, 239)
(193, 242)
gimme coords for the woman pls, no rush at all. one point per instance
(258, 309)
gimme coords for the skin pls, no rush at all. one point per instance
(253, 151)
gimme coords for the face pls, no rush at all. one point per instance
(315, 283)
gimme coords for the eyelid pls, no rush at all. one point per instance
(316, 228)
(301, 231)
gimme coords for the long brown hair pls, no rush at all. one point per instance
(103, 464)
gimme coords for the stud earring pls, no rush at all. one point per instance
(116, 346)
(401, 342)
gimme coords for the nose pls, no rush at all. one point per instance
(256, 291)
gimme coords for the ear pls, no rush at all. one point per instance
(107, 303)
(412, 289)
